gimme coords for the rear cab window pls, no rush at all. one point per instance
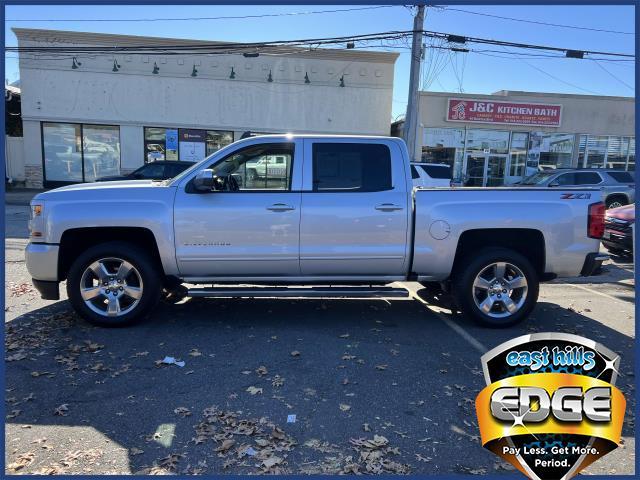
(622, 177)
(351, 167)
(437, 171)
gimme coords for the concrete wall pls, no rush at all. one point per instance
(581, 114)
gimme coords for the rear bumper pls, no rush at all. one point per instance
(592, 263)
(42, 261)
(48, 290)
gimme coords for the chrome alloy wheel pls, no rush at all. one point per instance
(500, 290)
(111, 287)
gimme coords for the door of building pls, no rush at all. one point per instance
(485, 170)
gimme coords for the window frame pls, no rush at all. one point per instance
(586, 171)
(189, 186)
(339, 190)
(61, 183)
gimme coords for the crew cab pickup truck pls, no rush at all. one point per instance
(343, 220)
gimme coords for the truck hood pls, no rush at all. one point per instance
(98, 188)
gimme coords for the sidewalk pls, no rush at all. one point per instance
(20, 196)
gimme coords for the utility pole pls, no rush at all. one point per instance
(411, 117)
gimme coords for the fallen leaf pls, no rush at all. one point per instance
(272, 461)
(254, 390)
(261, 370)
(226, 445)
(381, 367)
(344, 407)
(61, 410)
(295, 353)
(182, 411)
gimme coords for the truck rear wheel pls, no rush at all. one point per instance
(113, 284)
(497, 287)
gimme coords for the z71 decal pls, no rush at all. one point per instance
(575, 196)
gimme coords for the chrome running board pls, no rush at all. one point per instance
(309, 292)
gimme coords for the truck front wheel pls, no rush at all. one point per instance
(497, 287)
(113, 284)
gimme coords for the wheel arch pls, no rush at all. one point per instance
(526, 241)
(76, 240)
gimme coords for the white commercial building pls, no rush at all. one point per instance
(87, 115)
(497, 139)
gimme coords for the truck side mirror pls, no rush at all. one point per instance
(204, 181)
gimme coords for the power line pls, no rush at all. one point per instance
(190, 19)
(544, 72)
(614, 76)
(313, 43)
(559, 25)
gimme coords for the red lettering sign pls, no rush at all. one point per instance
(512, 113)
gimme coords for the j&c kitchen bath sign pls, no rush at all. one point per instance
(512, 113)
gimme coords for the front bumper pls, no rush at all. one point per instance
(42, 261)
(592, 263)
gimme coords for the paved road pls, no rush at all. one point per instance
(81, 399)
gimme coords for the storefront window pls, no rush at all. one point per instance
(631, 165)
(617, 152)
(519, 141)
(101, 151)
(488, 141)
(62, 152)
(553, 150)
(79, 153)
(184, 144)
(217, 140)
(444, 145)
(596, 151)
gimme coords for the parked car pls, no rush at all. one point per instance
(618, 229)
(155, 152)
(152, 171)
(618, 186)
(348, 216)
(430, 174)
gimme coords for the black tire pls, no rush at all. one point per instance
(145, 269)
(614, 200)
(466, 294)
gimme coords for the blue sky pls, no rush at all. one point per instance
(478, 73)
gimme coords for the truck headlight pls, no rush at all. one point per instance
(36, 220)
(36, 210)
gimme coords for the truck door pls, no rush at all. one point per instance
(251, 231)
(355, 210)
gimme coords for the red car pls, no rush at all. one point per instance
(618, 231)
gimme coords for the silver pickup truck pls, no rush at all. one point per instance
(341, 220)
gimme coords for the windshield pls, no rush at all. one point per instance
(538, 178)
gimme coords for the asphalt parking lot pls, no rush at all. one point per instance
(403, 374)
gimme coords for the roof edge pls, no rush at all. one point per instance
(109, 39)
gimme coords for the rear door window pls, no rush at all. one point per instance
(437, 171)
(587, 178)
(351, 167)
(565, 179)
(414, 172)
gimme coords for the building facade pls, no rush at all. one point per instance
(91, 115)
(497, 139)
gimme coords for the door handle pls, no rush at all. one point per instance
(388, 207)
(280, 207)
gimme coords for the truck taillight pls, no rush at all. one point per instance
(595, 222)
